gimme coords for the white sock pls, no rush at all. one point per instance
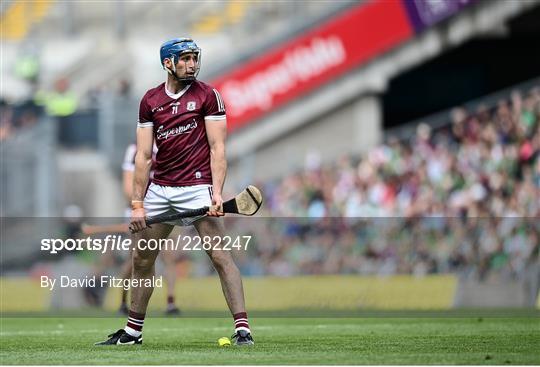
(134, 333)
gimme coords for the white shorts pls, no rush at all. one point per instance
(170, 200)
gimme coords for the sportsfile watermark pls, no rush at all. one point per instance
(123, 243)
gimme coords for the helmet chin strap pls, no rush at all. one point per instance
(173, 71)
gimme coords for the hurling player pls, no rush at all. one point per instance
(186, 119)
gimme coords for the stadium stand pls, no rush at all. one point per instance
(72, 38)
(18, 17)
(459, 198)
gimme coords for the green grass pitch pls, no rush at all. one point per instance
(369, 340)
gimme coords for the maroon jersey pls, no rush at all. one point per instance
(178, 122)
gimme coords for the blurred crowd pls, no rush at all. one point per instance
(481, 164)
(17, 117)
(58, 102)
(476, 248)
(465, 197)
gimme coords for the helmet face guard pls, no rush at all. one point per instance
(174, 49)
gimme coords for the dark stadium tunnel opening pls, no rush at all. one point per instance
(475, 69)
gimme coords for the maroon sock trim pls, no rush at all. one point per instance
(135, 315)
(240, 315)
(134, 326)
(241, 320)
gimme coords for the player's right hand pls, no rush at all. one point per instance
(216, 210)
(138, 222)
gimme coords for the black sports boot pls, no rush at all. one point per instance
(121, 337)
(242, 337)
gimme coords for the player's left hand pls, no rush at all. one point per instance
(216, 210)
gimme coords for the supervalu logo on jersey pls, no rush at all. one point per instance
(163, 133)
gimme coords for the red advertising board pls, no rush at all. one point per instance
(307, 62)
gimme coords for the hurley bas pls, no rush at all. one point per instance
(102, 281)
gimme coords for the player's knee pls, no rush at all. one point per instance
(142, 262)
